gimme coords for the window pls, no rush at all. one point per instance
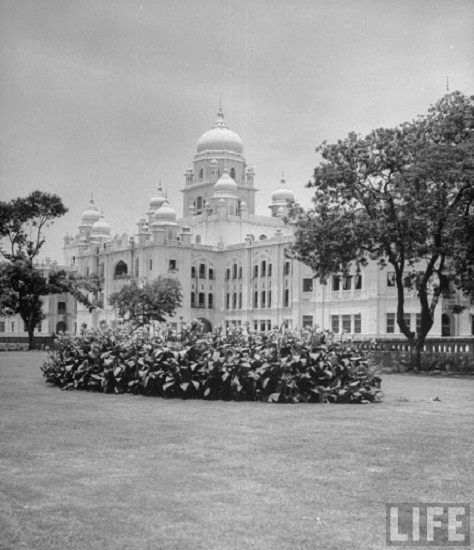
(61, 326)
(358, 281)
(202, 300)
(2, 326)
(150, 265)
(407, 319)
(121, 269)
(240, 300)
(391, 278)
(227, 300)
(346, 323)
(263, 299)
(62, 307)
(193, 299)
(286, 268)
(390, 323)
(286, 297)
(210, 301)
(87, 271)
(263, 269)
(234, 271)
(25, 327)
(172, 265)
(255, 270)
(234, 300)
(227, 274)
(269, 270)
(232, 173)
(307, 285)
(193, 272)
(336, 282)
(202, 271)
(263, 325)
(307, 321)
(346, 282)
(255, 299)
(211, 274)
(335, 323)
(357, 323)
(240, 272)
(269, 300)
(198, 239)
(38, 327)
(201, 175)
(255, 325)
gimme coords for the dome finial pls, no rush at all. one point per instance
(220, 123)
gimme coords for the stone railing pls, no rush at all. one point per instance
(448, 354)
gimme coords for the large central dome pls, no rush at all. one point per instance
(220, 138)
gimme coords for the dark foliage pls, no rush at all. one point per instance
(283, 368)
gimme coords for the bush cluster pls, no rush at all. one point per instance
(275, 367)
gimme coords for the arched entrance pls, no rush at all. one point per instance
(447, 328)
(61, 326)
(121, 269)
(206, 325)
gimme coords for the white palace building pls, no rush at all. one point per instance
(231, 262)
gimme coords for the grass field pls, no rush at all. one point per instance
(91, 471)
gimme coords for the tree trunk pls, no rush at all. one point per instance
(415, 355)
(31, 339)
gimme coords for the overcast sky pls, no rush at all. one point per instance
(110, 96)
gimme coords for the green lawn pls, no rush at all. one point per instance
(91, 471)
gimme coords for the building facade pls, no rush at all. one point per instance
(231, 262)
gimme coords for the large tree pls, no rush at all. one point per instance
(23, 285)
(150, 301)
(401, 196)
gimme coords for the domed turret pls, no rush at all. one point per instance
(165, 215)
(220, 138)
(100, 229)
(225, 186)
(281, 199)
(155, 202)
(90, 215)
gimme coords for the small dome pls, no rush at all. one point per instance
(283, 194)
(155, 202)
(225, 185)
(100, 228)
(91, 215)
(220, 138)
(165, 214)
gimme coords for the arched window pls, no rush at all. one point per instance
(202, 300)
(232, 173)
(62, 307)
(61, 326)
(262, 238)
(121, 269)
(210, 301)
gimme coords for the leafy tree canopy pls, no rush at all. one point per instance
(151, 301)
(402, 196)
(22, 284)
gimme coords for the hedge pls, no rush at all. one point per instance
(287, 367)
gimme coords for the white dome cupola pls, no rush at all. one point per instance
(220, 138)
